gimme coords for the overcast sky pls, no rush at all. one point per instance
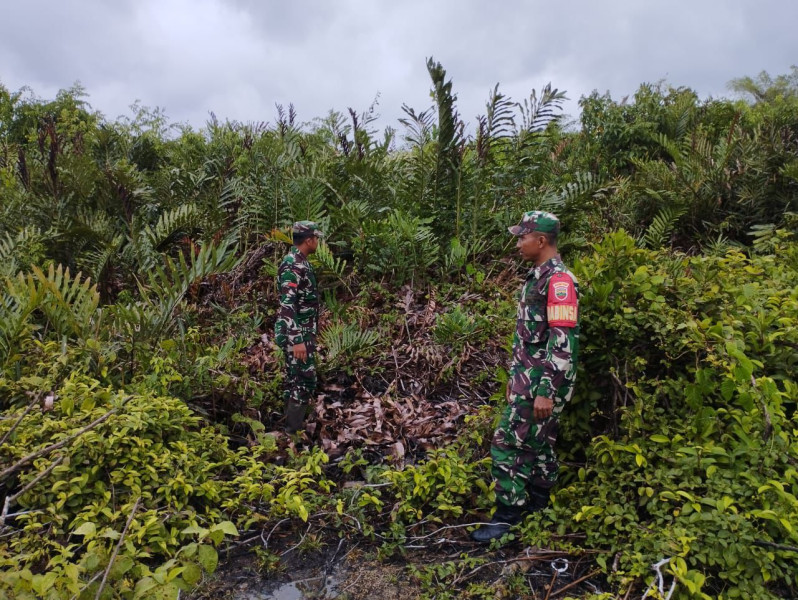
(238, 58)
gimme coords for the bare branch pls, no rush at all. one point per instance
(776, 546)
(45, 451)
(116, 549)
(19, 420)
(11, 499)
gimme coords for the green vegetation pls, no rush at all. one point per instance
(139, 388)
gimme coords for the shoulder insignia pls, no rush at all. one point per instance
(562, 307)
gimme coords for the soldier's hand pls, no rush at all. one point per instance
(300, 351)
(507, 390)
(542, 408)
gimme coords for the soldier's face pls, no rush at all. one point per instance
(529, 245)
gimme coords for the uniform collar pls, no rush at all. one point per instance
(545, 268)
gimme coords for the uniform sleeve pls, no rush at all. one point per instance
(562, 312)
(558, 362)
(289, 282)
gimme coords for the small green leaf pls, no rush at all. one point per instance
(228, 528)
(208, 558)
(194, 529)
(192, 574)
(122, 565)
(143, 586)
(88, 530)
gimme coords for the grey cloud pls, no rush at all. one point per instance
(239, 58)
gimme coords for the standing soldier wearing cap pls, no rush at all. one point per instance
(297, 323)
(541, 378)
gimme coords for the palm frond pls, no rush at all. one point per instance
(497, 125)
(538, 111)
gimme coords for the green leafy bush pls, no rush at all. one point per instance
(697, 356)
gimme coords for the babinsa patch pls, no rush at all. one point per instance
(562, 307)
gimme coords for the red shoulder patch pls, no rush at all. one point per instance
(562, 307)
(291, 284)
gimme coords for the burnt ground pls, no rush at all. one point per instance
(348, 570)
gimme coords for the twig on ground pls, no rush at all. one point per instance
(576, 582)
(240, 543)
(353, 583)
(299, 543)
(321, 514)
(437, 531)
(629, 591)
(268, 537)
(550, 587)
(328, 565)
(509, 561)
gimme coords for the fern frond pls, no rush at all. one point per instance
(671, 147)
(70, 302)
(584, 184)
(20, 298)
(327, 264)
(181, 220)
(96, 262)
(346, 340)
(661, 227)
(305, 200)
(790, 171)
(167, 285)
(18, 251)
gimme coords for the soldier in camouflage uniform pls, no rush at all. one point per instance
(297, 323)
(541, 378)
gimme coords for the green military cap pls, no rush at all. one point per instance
(538, 221)
(307, 228)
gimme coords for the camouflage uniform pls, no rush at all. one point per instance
(545, 346)
(297, 320)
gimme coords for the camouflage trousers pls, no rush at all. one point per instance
(523, 451)
(299, 381)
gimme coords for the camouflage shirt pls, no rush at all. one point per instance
(546, 339)
(298, 315)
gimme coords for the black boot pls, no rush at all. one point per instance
(294, 416)
(503, 519)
